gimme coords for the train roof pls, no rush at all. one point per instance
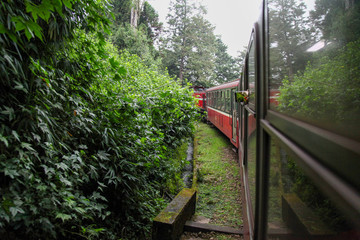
(232, 84)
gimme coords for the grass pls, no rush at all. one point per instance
(218, 178)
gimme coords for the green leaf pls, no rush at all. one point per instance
(103, 155)
(11, 173)
(30, 27)
(15, 210)
(19, 23)
(63, 216)
(20, 87)
(62, 166)
(67, 3)
(113, 63)
(2, 28)
(16, 136)
(10, 112)
(4, 140)
(80, 210)
(34, 27)
(122, 71)
(27, 146)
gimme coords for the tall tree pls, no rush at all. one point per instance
(135, 12)
(338, 20)
(289, 37)
(149, 19)
(122, 11)
(189, 46)
(226, 67)
(136, 27)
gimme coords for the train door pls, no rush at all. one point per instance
(234, 115)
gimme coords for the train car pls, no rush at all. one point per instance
(221, 109)
(200, 95)
(298, 134)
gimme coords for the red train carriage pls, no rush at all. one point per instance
(221, 109)
(200, 95)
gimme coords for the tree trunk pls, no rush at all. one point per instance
(135, 12)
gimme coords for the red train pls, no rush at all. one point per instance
(221, 109)
(296, 126)
(200, 95)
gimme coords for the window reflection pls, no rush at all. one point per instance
(251, 158)
(314, 62)
(297, 209)
(251, 77)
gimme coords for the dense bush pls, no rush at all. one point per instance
(85, 132)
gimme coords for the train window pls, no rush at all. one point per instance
(219, 99)
(251, 157)
(314, 64)
(251, 77)
(297, 206)
(216, 99)
(222, 100)
(208, 99)
(228, 101)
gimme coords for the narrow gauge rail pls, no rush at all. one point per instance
(299, 150)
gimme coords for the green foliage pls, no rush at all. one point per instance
(337, 20)
(135, 41)
(328, 89)
(226, 68)
(177, 162)
(189, 46)
(310, 194)
(289, 36)
(150, 20)
(85, 133)
(122, 11)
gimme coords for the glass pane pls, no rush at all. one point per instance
(251, 157)
(314, 62)
(221, 100)
(297, 207)
(228, 101)
(251, 77)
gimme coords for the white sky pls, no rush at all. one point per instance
(233, 19)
